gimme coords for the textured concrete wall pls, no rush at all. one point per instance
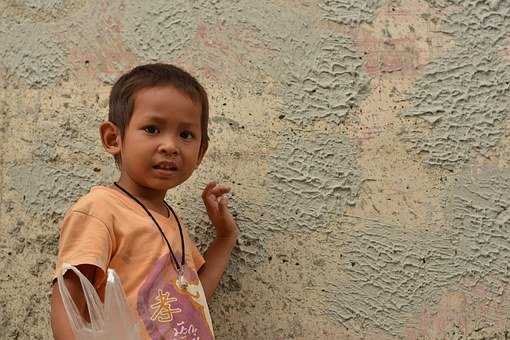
(367, 143)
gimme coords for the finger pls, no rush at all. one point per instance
(208, 188)
(210, 198)
(211, 205)
(220, 190)
(210, 185)
(223, 205)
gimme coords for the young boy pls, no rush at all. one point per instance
(157, 133)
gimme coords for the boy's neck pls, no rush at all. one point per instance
(150, 198)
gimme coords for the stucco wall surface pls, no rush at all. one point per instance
(367, 144)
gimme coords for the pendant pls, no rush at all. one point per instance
(181, 281)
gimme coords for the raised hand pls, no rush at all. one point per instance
(216, 204)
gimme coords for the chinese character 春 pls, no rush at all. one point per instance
(164, 311)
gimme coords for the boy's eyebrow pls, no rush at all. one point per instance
(159, 118)
(155, 118)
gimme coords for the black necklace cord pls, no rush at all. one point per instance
(183, 258)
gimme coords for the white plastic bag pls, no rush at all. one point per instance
(109, 321)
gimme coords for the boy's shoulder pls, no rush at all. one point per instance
(100, 201)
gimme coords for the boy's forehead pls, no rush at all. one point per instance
(156, 101)
(163, 93)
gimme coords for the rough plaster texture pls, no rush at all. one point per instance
(349, 12)
(36, 60)
(158, 30)
(331, 87)
(366, 143)
(393, 269)
(464, 95)
(312, 178)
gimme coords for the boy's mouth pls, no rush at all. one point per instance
(168, 166)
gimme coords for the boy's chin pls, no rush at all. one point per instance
(163, 185)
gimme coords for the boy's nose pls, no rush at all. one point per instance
(169, 147)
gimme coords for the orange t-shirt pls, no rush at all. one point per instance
(107, 229)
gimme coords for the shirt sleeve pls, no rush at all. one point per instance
(84, 239)
(198, 259)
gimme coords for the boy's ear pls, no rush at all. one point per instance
(110, 137)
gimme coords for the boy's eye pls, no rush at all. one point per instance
(187, 134)
(151, 129)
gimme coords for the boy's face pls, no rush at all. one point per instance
(161, 144)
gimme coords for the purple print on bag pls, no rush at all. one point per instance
(171, 312)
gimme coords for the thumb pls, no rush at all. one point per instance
(223, 205)
(211, 205)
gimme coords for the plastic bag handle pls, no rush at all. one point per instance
(116, 309)
(94, 305)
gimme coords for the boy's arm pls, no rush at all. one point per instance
(59, 320)
(218, 254)
(216, 259)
